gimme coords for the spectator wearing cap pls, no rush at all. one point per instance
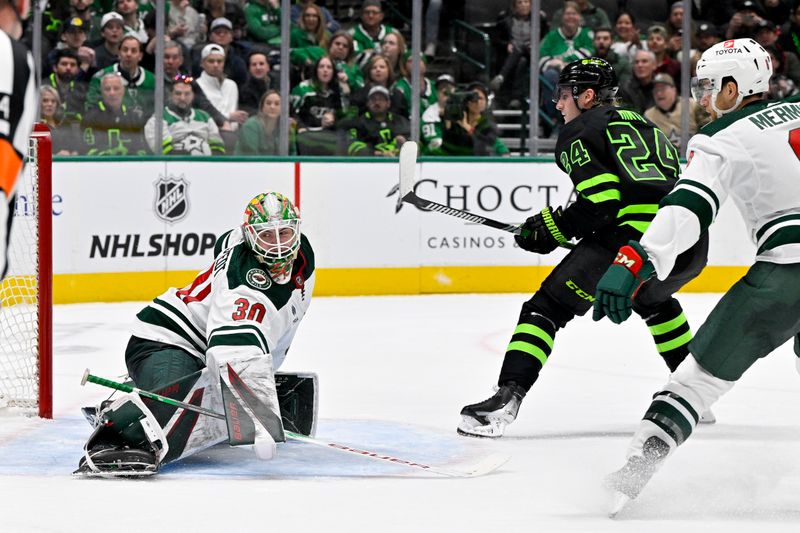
(73, 37)
(593, 16)
(368, 34)
(637, 92)
(330, 23)
(232, 11)
(789, 39)
(602, 41)
(514, 34)
(433, 117)
(261, 132)
(133, 20)
(85, 10)
(317, 105)
(260, 79)
(186, 130)
(108, 127)
(183, 24)
(71, 90)
(657, 43)
(707, 35)
(745, 21)
(112, 28)
(221, 33)
(674, 24)
(767, 33)
(139, 83)
(378, 72)
(427, 91)
(222, 92)
(174, 72)
(666, 110)
(474, 134)
(378, 131)
(263, 21)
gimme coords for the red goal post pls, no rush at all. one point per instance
(26, 297)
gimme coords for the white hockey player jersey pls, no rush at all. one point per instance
(233, 309)
(751, 155)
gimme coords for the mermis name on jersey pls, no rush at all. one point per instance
(159, 244)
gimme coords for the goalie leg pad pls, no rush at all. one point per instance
(127, 442)
(298, 395)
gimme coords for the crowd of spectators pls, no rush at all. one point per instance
(350, 80)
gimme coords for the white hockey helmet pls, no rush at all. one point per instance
(744, 60)
(271, 230)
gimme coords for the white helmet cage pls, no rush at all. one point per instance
(744, 60)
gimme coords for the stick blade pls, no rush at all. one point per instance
(408, 167)
(487, 465)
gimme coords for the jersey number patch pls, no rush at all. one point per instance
(578, 155)
(245, 310)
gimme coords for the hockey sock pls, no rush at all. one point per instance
(672, 335)
(528, 350)
(673, 415)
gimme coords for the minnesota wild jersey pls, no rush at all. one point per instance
(232, 309)
(622, 165)
(751, 155)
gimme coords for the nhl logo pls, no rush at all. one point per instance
(172, 201)
(258, 279)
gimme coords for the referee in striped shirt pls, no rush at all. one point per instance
(18, 106)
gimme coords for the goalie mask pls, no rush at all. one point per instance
(271, 230)
(744, 60)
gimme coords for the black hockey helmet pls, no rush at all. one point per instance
(592, 73)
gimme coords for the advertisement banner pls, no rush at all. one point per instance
(152, 216)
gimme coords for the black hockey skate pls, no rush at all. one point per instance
(109, 460)
(628, 481)
(490, 417)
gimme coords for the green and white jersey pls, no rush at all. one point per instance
(751, 155)
(194, 134)
(233, 309)
(431, 130)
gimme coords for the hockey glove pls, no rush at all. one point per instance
(615, 290)
(543, 232)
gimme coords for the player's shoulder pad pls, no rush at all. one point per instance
(227, 239)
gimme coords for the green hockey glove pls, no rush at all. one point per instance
(543, 232)
(618, 286)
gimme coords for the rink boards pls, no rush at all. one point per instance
(127, 230)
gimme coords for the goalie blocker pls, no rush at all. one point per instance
(134, 436)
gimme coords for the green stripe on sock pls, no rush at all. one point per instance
(536, 331)
(529, 349)
(674, 343)
(666, 327)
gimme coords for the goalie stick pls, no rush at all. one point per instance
(482, 467)
(408, 166)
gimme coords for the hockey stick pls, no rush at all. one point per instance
(408, 166)
(484, 466)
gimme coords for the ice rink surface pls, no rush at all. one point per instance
(394, 373)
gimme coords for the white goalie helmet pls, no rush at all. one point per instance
(271, 230)
(744, 60)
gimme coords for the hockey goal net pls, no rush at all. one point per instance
(26, 292)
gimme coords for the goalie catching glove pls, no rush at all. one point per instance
(615, 290)
(543, 232)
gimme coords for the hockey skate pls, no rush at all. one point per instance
(109, 460)
(627, 482)
(490, 417)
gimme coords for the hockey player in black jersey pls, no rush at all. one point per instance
(621, 166)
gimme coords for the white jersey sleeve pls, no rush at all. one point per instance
(751, 156)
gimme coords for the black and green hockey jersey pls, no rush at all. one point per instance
(232, 309)
(621, 165)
